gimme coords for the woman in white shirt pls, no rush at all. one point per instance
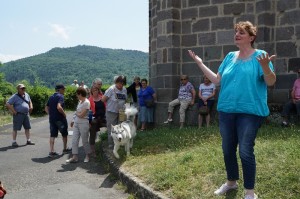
(207, 91)
(114, 97)
(81, 126)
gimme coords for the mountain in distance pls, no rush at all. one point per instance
(84, 63)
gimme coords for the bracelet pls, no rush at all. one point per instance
(268, 74)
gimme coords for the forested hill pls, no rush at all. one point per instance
(80, 62)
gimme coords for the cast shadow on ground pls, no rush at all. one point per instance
(109, 181)
(10, 147)
(231, 194)
(93, 166)
(45, 160)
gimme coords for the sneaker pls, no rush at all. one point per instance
(251, 197)
(67, 150)
(168, 120)
(86, 159)
(14, 144)
(225, 188)
(30, 143)
(52, 154)
(284, 124)
(71, 160)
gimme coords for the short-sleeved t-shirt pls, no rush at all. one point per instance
(296, 89)
(85, 105)
(243, 89)
(145, 94)
(54, 114)
(185, 91)
(207, 90)
(116, 99)
(19, 104)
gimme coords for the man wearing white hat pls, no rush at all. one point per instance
(20, 105)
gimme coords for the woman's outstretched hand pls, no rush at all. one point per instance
(264, 59)
(195, 57)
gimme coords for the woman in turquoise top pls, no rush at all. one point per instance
(243, 77)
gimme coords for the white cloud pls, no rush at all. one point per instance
(59, 31)
(35, 29)
(7, 58)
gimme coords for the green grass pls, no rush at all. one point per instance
(5, 119)
(188, 163)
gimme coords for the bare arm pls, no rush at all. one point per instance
(47, 109)
(11, 108)
(104, 98)
(61, 110)
(293, 96)
(30, 106)
(213, 77)
(154, 97)
(193, 96)
(200, 94)
(82, 114)
(269, 76)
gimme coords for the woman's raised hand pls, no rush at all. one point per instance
(264, 59)
(195, 57)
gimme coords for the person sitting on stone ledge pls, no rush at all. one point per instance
(207, 91)
(186, 97)
(294, 103)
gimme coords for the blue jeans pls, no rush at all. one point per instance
(239, 129)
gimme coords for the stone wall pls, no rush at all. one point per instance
(206, 26)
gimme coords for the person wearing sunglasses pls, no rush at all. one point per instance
(186, 98)
(20, 105)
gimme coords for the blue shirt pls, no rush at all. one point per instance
(54, 114)
(243, 89)
(19, 104)
(145, 94)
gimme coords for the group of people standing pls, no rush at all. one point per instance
(99, 110)
(88, 118)
(117, 95)
(243, 77)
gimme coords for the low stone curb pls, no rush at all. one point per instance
(133, 184)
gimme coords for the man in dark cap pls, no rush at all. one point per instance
(57, 119)
(20, 105)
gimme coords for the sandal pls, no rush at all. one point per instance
(71, 160)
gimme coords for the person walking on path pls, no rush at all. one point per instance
(20, 105)
(243, 77)
(57, 119)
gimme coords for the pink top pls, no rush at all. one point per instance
(296, 89)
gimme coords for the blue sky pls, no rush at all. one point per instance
(30, 27)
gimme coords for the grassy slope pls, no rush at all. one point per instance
(189, 163)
